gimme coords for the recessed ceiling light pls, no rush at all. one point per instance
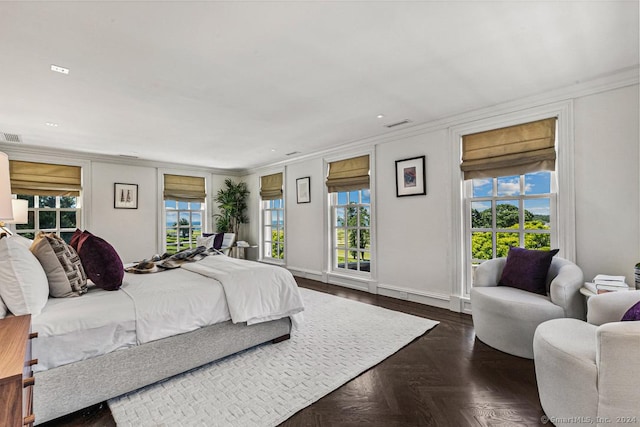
(273, 150)
(53, 125)
(59, 69)
(380, 116)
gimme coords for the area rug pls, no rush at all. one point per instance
(338, 340)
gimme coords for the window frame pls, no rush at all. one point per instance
(36, 209)
(334, 227)
(161, 212)
(355, 280)
(266, 237)
(495, 199)
(565, 198)
(262, 238)
(178, 227)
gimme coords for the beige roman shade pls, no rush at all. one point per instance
(513, 150)
(45, 179)
(349, 174)
(184, 188)
(271, 186)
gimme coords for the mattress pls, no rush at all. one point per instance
(147, 307)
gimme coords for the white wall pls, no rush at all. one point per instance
(414, 235)
(607, 176)
(132, 232)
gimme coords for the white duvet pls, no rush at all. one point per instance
(153, 306)
(255, 292)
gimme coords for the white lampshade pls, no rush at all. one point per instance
(6, 208)
(20, 212)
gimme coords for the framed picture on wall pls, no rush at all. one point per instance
(125, 196)
(303, 190)
(411, 177)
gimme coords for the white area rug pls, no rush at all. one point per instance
(264, 386)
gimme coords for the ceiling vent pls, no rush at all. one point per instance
(404, 122)
(292, 153)
(10, 137)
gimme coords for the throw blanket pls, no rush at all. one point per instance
(167, 261)
(255, 292)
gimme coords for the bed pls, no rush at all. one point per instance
(107, 343)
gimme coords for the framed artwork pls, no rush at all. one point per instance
(303, 189)
(411, 177)
(125, 196)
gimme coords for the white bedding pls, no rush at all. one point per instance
(149, 307)
(255, 292)
(174, 302)
(72, 329)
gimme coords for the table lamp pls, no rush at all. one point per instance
(6, 207)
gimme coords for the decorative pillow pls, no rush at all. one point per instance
(215, 241)
(101, 262)
(23, 283)
(632, 314)
(75, 238)
(61, 264)
(527, 269)
(206, 241)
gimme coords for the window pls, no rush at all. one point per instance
(272, 206)
(273, 228)
(348, 186)
(183, 222)
(509, 190)
(53, 194)
(351, 230)
(51, 214)
(184, 211)
(517, 210)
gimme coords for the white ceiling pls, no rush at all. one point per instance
(223, 84)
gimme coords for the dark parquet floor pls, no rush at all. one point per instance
(444, 378)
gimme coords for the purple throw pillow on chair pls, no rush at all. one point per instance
(527, 269)
(632, 314)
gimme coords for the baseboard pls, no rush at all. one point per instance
(359, 284)
(460, 304)
(427, 298)
(308, 274)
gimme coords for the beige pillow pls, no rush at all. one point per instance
(61, 264)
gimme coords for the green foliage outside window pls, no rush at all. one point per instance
(277, 244)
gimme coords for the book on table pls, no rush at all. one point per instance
(604, 283)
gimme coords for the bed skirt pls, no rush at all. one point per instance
(78, 385)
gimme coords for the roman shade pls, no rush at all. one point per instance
(271, 186)
(514, 150)
(184, 188)
(45, 179)
(349, 174)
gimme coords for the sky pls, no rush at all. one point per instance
(534, 183)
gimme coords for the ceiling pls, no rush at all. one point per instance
(237, 85)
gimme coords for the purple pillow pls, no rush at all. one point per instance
(632, 314)
(217, 240)
(100, 261)
(527, 270)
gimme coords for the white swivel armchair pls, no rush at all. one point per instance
(506, 318)
(588, 373)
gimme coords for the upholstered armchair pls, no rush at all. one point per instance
(588, 371)
(506, 318)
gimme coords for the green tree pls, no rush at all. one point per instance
(277, 244)
(184, 232)
(362, 237)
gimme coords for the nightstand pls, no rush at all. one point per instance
(16, 378)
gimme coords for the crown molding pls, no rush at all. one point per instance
(622, 78)
(65, 155)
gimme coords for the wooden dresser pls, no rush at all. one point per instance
(16, 378)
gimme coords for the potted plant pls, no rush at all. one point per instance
(232, 204)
